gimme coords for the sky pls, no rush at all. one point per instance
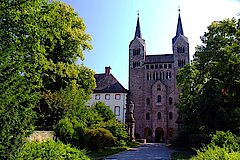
(112, 23)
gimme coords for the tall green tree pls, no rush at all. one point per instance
(21, 64)
(40, 42)
(210, 98)
(65, 40)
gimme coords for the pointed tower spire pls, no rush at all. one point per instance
(179, 31)
(179, 26)
(138, 29)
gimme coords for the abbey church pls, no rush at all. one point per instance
(153, 86)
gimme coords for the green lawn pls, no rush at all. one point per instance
(98, 155)
(182, 155)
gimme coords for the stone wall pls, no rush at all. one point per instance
(42, 136)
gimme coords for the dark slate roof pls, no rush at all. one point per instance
(179, 29)
(140, 40)
(179, 26)
(138, 30)
(107, 83)
(164, 58)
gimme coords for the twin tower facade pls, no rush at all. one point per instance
(153, 86)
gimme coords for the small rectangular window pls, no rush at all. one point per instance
(147, 66)
(160, 66)
(152, 66)
(117, 110)
(117, 96)
(97, 96)
(165, 65)
(107, 96)
(169, 65)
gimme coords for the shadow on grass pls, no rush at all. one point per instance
(108, 151)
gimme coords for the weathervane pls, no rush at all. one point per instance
(138, 12)
(179, 8)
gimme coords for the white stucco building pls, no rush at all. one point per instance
(111, 92)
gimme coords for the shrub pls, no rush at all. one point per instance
(98, 138)
(215, 152)
(121, 143)
(104, 111)
(117, 129)
(224, 146)
(226, 140)
(50, 150)
(70, 130)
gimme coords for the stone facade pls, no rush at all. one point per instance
(152, 86)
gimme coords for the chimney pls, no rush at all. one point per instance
(107, 70)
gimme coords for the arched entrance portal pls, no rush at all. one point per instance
(159, 135)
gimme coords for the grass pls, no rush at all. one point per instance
(108, 151)
(182, 155)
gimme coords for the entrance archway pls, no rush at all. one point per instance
(159, 135)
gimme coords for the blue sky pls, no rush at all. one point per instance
(111, 23)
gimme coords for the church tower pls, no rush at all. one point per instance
(137, 54)
(180, 46)
(153, 86)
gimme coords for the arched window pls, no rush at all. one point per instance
(170, 100)
(170, 115)
(148, 76)
(148, 101)
(159, 116)
(136, 51)
(159, 98)
(147, 116)
(147, 132)
(180, 49)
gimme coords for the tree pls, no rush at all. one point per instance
(21, 64)
(64, 39)
(40, 42)
(104, 111)
(210, 85)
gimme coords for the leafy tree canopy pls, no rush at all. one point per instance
(40, 43)
(210, 98)
(104, 111)
(65, 40)
(21, 65)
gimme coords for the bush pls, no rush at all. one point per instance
(104, 111)
(98, 138)
(224, 146)
(70, 130)
(121, 143)
(117, 129)
(226, 140)
(215, 152)
(50, 150)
